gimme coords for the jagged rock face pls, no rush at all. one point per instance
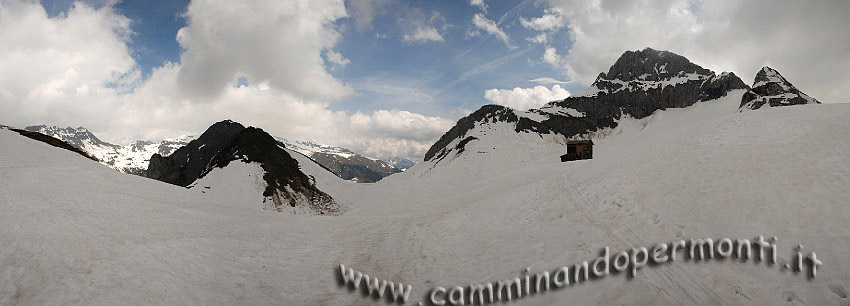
(638, 84)
(285, 183)
(186, 164)
(652, 65)
(771, 89)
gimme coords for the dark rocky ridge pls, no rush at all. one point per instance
(771, 89)
(285, 183)
(638, 84)
(186, 164)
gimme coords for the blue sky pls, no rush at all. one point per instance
(381, 77)
(439, 78)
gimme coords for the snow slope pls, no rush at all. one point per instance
(83, 234)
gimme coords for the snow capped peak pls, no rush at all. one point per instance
(772, 89)
(650, 69)
(769, 75)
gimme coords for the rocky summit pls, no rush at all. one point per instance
(770, 89)
(186, 164)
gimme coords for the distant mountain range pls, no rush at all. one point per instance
(135, 157)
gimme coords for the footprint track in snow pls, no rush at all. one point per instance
(839, 290)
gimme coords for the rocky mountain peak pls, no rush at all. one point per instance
(768, 75)
(652, 65)
(771, 89)
(228, 141)
(649, 69)
(186, 164)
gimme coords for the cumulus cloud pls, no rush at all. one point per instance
(806, 41)
(490, 26)
(551, 57)
(526, 98)
(65, 67)
(420, 28)
(76, 70)
(423, 34)
(226, 39)
(552, 19)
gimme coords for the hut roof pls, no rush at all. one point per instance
(575, 142)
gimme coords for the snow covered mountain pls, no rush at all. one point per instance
(345, 163)
(399, 162)
(770, 89)
(282, 186)
(638, 84)
(132, 158)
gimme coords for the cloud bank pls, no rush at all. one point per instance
(75, 69)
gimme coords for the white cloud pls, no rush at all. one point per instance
(423, 34)
(551, 57)
(336, 58)
(541, 38)
(526, 98)
(730, 35)
(76, 70)
(552, 19)
(479, 3)
(546, 81)
(490, 26)
(279, 42)
(61, 67)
